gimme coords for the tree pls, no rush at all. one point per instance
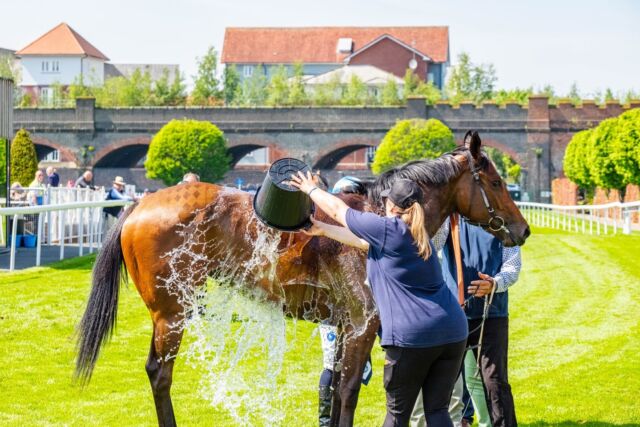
(469, 81)
(9, 69)
(517, 95)
(576, 164)
(231, 79)
(505, 165)
(297, 93)
(574, 94)
(206, 86)
(183, 146)
(390, 94)
(412, 140)
(602, 158)
(278, 87)
(328, 93)
(165, 93)
(254, 88)
(356, 92)
(626, 147)
(24, 161)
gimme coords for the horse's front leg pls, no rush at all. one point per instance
(353, 352)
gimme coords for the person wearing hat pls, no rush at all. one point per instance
(423, 329)
(116, 193)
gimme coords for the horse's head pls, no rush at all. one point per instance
(482, 197)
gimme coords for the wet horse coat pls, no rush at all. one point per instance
(312, 278)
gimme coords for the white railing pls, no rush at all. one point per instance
(58, 223)
(587, 219)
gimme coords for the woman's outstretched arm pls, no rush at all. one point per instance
(335, 232)
(330, 204)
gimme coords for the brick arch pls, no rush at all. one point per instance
(329, 158)
(515, 155)
(66, 155)
(122, 151)
(241, 148)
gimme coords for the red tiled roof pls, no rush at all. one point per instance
(318, 44)
(61, 40)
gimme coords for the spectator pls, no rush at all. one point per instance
(489, 269)
(17, 193)
(116, 193)
(37, 188)
(190, 177)
(86, 180)
(53, 177)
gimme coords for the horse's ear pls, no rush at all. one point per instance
(475, 144)
(467, 138)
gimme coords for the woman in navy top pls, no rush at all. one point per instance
(423, 328)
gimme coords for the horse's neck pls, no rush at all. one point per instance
(439, 204)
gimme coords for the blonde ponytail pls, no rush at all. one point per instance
(413, 216)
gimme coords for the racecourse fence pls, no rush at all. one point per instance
(609, 218)
(56, 216)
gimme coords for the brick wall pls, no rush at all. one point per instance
(380, 54)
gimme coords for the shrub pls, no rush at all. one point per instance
(412, 140)
(24, 161)
(183, 146)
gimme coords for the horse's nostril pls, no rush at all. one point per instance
(527, 232)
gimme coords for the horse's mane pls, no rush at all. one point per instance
(431, 172)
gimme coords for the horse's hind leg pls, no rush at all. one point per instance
(167, 334)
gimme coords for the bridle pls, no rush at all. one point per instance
(496, 223)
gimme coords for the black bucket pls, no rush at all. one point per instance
(280, 205)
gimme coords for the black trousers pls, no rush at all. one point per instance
(433, 370)
(493, 369)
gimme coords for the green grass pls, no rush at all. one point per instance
(574, 348)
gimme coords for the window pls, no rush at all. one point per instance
(53, 156)
(50, 66)
(247, 70)
(46, 95)
(430, 77)
(371, 153)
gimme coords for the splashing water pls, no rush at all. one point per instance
(237, 332)
(230, 324)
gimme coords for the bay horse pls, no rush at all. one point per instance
(309, 277)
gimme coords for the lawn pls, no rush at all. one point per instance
(574, 349)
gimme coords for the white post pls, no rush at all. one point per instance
(39, 238)
(626, 222)
(49, 232)
(14, 232)
(92, 212)
(606, 220)
(62, 226)
(80, 231)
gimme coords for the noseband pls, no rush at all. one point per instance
(496, 223)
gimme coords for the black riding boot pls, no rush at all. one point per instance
(324, 406)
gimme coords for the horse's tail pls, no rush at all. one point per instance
(99, 318)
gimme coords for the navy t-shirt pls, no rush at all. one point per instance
(416, 308)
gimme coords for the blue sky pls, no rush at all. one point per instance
(531, 43)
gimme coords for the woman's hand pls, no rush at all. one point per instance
(315, 229)
(303, 182)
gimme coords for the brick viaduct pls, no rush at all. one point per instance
(535, 135)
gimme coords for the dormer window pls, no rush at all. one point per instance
(345, 45)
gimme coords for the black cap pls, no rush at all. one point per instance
(403, 193)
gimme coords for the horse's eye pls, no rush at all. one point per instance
(496, 184)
